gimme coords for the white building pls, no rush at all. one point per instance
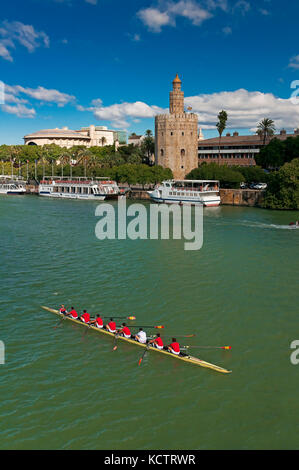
(92, 136)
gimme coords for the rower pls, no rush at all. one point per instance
(141, 336)
(111, 326)
(174, 347)
(157, 342)
(85, 318)
(98, 322)
(124, 331)
(73, 314)
(62, 310)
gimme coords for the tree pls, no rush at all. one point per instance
(148, 145)
(265, 129)
(283, 188)
(221, 125)
(228, 177)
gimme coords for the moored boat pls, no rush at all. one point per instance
(78, 188)
(194, 192)
(185, 358)
(12, 185)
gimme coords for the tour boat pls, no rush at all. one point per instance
(185, 358)
(78, 188)
(195, 192)
(12, 185)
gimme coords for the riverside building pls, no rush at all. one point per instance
(92, 136)
(234, 148)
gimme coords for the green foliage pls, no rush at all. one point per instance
(283, 187)
(252, 174)
(278, 152)
(265, 129)
(228, 177)
(221, 124)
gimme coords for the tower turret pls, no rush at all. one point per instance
(176, 97)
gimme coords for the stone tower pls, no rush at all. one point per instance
(176, 145)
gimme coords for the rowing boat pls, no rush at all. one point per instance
(191, 359)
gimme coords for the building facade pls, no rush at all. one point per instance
(235, 149)
(92, 136)
(176, 141)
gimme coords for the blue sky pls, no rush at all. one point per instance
(111, 62)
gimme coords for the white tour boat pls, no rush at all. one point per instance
(205, 192)
(12, 185)
(78, 188)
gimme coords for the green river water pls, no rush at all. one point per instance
(63, 389)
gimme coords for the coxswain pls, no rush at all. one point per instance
(98, 322)
(85, 318)
(141, 336)
(111, 326)
(62, 310)
(174, 347)
(124, 331)
(157, 342)
(73, 314)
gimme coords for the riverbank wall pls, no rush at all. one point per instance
(242, 197)
(229, 197)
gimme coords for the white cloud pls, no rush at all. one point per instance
(15, 32)
(294, 62)
(118, 114)
(19, 110)
(154, 18)
(245, 109)
(41, 94)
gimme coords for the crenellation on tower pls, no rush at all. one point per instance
(176, 135)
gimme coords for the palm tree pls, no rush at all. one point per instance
(221, 125)
(266, 129)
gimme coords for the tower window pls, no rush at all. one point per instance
(162, 152)
(182, 152)
(171, 133)
(183, 133)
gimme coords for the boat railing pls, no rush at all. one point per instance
(75, 182)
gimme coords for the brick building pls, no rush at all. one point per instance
(234, 148)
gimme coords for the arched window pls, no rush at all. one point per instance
(182, 152)
(162, 152)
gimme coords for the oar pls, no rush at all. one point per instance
(146, 326)
(60, 322)
(207, 347)
(114, 343)
(124, 318)
(180, 336)
(141, 359)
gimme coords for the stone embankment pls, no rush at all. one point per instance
(242, 197)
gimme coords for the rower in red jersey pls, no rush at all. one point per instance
(62, 310)
(73, 314)
(111, 326)
(124, 331)
(98, 322)
(157, 342)
(174, 347)
(85, 318)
